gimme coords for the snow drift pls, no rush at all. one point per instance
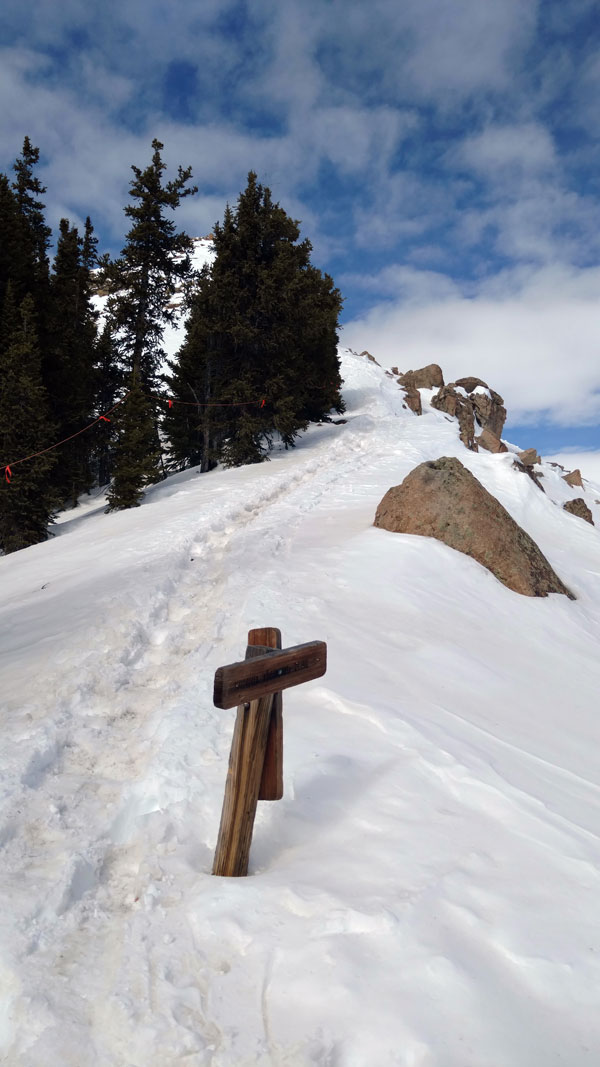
(425, 894)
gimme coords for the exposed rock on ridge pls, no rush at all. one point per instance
(442, 499)
(429, 377)
(472, 401)
(579, 507)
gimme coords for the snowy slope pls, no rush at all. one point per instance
(426, 893)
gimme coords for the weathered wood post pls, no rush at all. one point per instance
(256, 758)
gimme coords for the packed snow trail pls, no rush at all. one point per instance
(425, 892)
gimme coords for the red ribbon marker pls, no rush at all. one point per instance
(103, 417)
(170, 403)
(262, 403)
(7, 474)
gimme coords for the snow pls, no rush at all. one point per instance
(588, 462)
(425, 894)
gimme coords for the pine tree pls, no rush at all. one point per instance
(137, 458)
(261, 340)
(26, 500)
(28, 189)
(13, 256)
(69, 358)
(108, 383)
(142, 283)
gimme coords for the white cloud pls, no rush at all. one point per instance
(527, 148)
(533, 335)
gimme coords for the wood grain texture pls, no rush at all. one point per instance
(271, 783)
(246, 761)
(239, 683)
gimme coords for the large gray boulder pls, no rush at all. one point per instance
(442, 499)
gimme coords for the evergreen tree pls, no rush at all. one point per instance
(13, 256)
(69, 357)
(136, 460)
(142, 284)
(108, 383)
(28, 189)
(261, 340)
(155, 258)
(26, 502)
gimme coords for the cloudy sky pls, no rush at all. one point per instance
(442, 156)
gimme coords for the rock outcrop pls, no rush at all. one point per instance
(412, 398)
(442, 499)
(429, 377)
(529, 457)
(472, 401)
(489, 411)
(573, 478)
(490, 442)
(528, 469)
(448, 400)
(579, 507)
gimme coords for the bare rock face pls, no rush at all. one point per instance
(489, 410)
(534, 475)
(429, 377)
(448, 400)
(529, 457)
(466, 426)
(442, 499)
(412, 399)
(490, 442)
(574, 478)
(470, 383)
(488, 406)
(579, 507)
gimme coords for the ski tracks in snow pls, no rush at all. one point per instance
(139, 734)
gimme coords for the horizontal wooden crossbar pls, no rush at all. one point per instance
(239, 683)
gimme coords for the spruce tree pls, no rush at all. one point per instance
(261, 339)
(69, 357)
(136, 456)
(28, 190)
(143, 281)
(13, 254)
(26, 499)
(142, 284)
(108, 383)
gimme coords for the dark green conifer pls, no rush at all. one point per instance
(69, 358)
(142, 283)
(26, 500)
(136, 460)
(13, 254)
(261, 339)
(108, 383)
(28, 190)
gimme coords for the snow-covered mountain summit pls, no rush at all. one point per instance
(425, 893)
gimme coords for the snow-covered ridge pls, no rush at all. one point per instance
(425, 893)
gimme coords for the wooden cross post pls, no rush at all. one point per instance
(256, 759)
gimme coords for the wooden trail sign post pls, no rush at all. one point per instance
(256, 760)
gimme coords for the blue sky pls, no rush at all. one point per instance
(442, 156)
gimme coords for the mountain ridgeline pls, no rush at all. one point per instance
(90, 400)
